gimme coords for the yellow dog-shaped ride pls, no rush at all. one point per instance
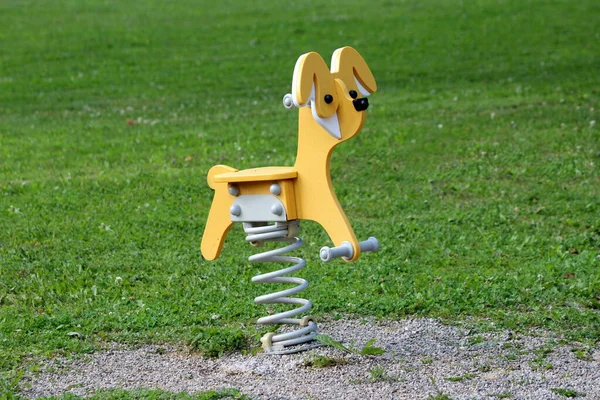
(332, 105)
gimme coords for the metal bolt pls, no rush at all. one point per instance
(275, 189)
(277, 209)
(233, 190)
(235, 210)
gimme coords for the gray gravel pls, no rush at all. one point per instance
(423, 358)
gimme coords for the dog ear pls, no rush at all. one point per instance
(349, 66)
(313, 82)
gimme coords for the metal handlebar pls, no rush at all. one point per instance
(345, 250)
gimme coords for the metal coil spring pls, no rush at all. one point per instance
(282, 232)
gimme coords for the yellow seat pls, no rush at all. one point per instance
(258, 175)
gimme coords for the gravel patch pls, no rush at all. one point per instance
(423, 358)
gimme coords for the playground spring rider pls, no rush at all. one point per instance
(270, 201)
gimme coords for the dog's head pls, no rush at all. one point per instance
(336, 97)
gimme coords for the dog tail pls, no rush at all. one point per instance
(217, 170)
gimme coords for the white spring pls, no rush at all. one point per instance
(279, 232)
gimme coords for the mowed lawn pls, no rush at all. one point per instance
(478, 168)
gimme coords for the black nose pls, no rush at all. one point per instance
(361, 104)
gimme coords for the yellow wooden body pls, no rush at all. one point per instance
(306, 188)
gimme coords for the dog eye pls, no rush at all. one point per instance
(328, 98)
(353, 94)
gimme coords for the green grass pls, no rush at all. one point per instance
(569, 393)
(460, 377)
(478, 168)
(215, 342)
(120, 394)
(379, 374)
(368, 349)
(439, 396)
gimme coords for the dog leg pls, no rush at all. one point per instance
(320, 204)
(219, 219)
(337, 226)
